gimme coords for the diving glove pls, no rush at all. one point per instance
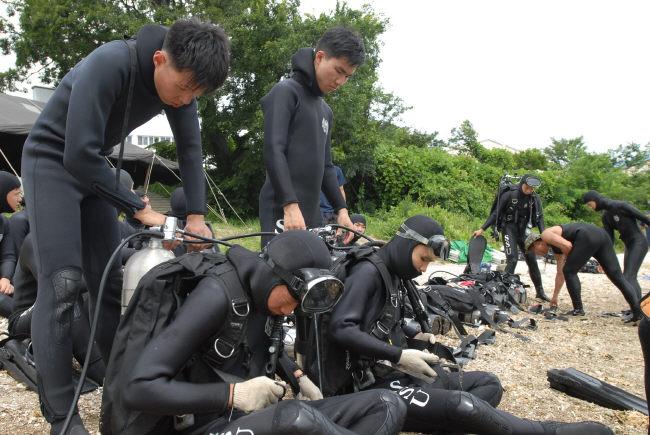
(308, 390)
(257, 393)
(417, 362)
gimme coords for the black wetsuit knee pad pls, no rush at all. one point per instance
(67, 283)
(476, 414)
(293, 416)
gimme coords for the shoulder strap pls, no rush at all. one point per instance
(226, 342)
(389, 316)
(133, 68)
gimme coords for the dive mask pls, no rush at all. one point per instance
(533, 182)
(438, 242)
(317, 290)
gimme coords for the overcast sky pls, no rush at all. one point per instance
(521, 71)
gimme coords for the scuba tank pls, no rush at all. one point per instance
(146, 259)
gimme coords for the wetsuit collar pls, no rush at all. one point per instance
(302, 64)
(149, 39)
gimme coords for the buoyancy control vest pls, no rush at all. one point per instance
(514, 205)
(337, 373)
(157, 297)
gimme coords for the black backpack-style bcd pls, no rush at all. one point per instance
(339, 367)
(157, 297)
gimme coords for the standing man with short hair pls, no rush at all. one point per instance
(72, 192)
(298, 132)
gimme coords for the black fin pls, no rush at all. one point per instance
(578, 384)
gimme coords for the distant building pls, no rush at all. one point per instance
(492, 144)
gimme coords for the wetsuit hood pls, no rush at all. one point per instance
(398, 251)
(524, 180)
(149, 39)
(290, 251)
(8, 182)
(592, 195)
(177, 203)
(302, 64)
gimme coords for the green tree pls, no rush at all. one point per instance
(563, 151)
(531, 159)
(264, 35)
(464, 139)
(630, 155)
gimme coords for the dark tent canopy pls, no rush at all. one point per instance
(18, 115)
(136, 161)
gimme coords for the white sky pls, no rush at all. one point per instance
(521, 71)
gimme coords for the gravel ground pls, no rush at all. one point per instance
(601, 346)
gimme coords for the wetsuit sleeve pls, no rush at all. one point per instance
(18, 228)
(362, 286)
(631, 211)
(607, 226)
(9, 256)
(540, 214)
(278, 106)
(330, 184)
(501, 205)
(184, 122)
(154, 387)
(99, 82)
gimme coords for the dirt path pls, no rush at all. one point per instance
(601, 346)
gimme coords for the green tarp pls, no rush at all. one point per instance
(462, 247)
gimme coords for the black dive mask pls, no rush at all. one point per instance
(317, 290)
(437, 242)
(533, 182)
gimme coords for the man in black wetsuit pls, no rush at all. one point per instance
(574, 244)
(298, 132)
(20, 321)
(518, 210)
(10, 197)
(362, 335)
(181, 371)
(72, 193)
(623, 217)
(644, 338)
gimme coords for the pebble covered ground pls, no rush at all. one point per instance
(601, 346)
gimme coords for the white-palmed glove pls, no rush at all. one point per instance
(257, 393)
(308, 390)
(417, 362)
(426, 336)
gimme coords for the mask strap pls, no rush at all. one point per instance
(292, 281)
(408, 233)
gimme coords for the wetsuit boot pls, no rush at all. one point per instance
(583, 427)
(540, 294)
(76, 426)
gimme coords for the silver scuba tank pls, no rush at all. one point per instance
(145, 259)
